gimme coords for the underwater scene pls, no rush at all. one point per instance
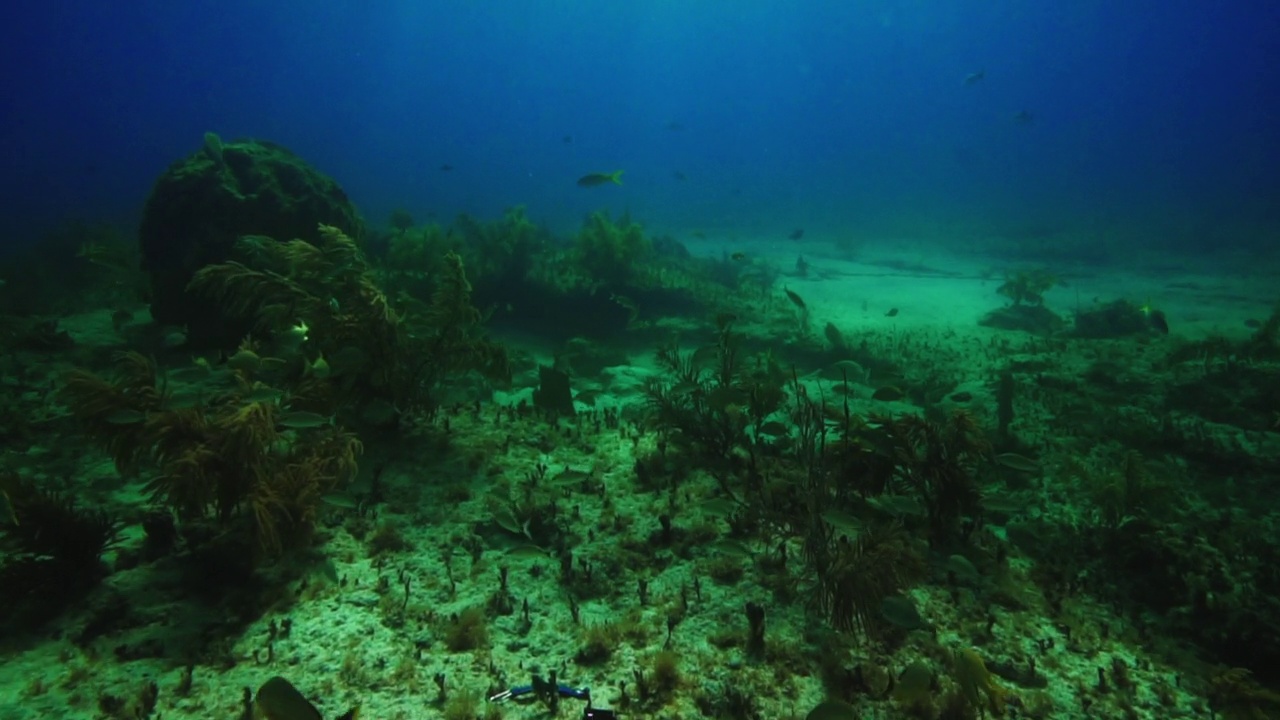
(740, 361)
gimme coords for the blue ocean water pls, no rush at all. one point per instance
(1146, 123)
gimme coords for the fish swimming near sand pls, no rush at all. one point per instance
(598, 179)
(795, 299)
(278, 699)
(1158, 321)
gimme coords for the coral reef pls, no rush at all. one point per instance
(761, 521)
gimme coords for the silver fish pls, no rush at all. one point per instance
(1014, 461)
(301, 419)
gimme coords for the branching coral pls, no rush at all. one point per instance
(1027, 286)
(502, 251)
(113, 410)
(939, 461)
(706, 402)
(934, 461)
(610, 252)
(53, 552)
(225, 460)
(855, 576)
(328, 288)
(448, 339)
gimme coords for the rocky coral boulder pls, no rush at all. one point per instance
(203, 203)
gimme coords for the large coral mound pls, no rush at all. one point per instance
(203, 203)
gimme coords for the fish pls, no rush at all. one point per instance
(125, 416)
(187, 400)
(347, 359)
(329, 570)
(627, 303)
(194, 373)
(244, 359)
(7, 515)
(844, 370)
(527, 552)
(901, 611)
(278, 699)
(598, 179)
(738, 256)
(795, 234)
(974, 78)
(891, 312)
(506, 520)
(843, 388)
(1158, 321)
(731, 548)
(301, 419)
(343, 500)
(121, 318)
(897, 505)
(570, 476)
(679, 175)
(914, 684)
(795, 299)
(1002, 505)
(722, 396)
(100, 254)
(263, 394)
(587, 397)
(1014, 461)
(686, 387)
(318, 369)
(298, 333)
(1022, 117)
(833, 710)
(719, 507)
(775, 427)
(963, 569)
(843, 521)
(888, 393)
(567, 139)
(380, 413)
(446, 167)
